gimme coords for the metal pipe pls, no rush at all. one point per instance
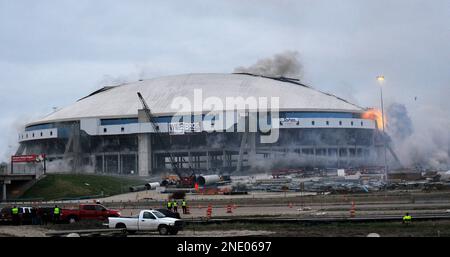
(152, 185)
(208, 179)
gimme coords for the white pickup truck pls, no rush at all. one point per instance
(148, 220)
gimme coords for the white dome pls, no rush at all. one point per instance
(122, 101)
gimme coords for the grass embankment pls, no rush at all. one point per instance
(60, 186)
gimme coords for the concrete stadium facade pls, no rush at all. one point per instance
(108, 132)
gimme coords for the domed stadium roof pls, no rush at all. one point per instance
(161, 95)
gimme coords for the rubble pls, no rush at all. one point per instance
(340, 181)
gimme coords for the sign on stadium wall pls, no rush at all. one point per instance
(28, 158)
(179, 128)
(289, 121)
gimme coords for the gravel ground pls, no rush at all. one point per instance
(416, 229)
(37, 231)
(23, 231)
(213, 233)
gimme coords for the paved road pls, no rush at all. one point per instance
(315, 211)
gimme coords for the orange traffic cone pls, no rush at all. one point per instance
(352, 210)
(229, 210)
(209, 211)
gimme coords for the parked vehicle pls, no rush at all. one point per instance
(147, 220)
(5, 214)
(24, 214)
(88, 211)
(169, 213)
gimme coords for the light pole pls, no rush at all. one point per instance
(380, 80)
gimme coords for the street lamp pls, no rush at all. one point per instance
(380, 80)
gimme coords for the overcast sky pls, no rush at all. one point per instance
(55, 52)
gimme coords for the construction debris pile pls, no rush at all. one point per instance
(342, 181)
(325, 181)
(306, 182)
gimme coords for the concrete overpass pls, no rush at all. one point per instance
(10, 179)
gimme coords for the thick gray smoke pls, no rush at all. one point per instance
(399, 125)
(139, 73)
(109, 80)
(216, 141)
(422, 139)
(286, 64)
(15, 126)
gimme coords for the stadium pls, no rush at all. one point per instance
(108, 132)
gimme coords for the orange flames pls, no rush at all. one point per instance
(374, 114)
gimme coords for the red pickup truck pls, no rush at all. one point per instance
(88, 211)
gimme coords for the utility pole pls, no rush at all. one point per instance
(380, 79)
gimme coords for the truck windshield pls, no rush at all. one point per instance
(158, 214)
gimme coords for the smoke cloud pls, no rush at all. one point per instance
(286, 64)
(15, 126)
(140, 72)
(399, 125)
(422, 140)
(108, 80)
